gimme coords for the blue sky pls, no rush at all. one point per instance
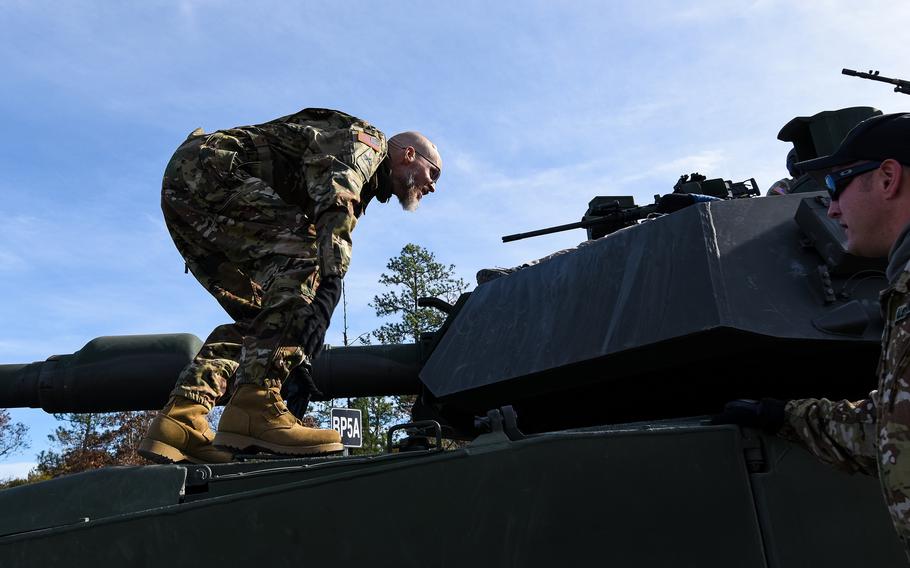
(535, 106)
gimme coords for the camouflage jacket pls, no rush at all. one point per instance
(871, 436)
(328, 163)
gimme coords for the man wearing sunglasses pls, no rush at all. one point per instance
(868, 179)
(263, 216)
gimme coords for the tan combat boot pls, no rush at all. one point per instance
(180, 433)
(256, 418)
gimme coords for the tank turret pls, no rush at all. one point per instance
(721, 300)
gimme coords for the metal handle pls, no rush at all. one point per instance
(420, 426)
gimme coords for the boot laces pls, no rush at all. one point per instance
(277, 402)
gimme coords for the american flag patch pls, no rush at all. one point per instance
(370, 141)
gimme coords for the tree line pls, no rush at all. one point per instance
(85, 441)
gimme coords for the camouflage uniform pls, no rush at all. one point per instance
(871, 436)
(261, 214)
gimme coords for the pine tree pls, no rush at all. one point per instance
(412, 275)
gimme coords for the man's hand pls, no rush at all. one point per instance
(327, 296)
(298, 389)
(766, 414)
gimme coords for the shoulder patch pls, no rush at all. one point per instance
(901, 313)
(370, 141)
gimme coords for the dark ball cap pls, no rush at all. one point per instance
(877, 138)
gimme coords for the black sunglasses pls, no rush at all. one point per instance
(437, 171)
(837, 182)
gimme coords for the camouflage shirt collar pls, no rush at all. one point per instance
(384, 179)
(378, 186)
(899, 256)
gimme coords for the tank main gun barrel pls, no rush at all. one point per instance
(550, 230)
(367, 370)
(131, 372)
(138, 372)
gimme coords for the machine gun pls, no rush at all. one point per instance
(696, 183)
(900, 85)
(607, 215)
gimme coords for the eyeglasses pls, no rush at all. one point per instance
(437, 171)
(837, 182)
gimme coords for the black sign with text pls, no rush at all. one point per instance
(348, 422)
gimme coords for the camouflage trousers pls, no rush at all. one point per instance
(252, 251)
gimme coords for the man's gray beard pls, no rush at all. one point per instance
(412, 198)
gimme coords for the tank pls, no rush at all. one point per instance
(582, 387)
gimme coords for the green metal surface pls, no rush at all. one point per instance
(87, 497)
(678, 495)
(813, 515)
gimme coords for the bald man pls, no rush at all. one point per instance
(263, 216)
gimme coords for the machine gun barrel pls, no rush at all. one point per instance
(615, 217)
(557, 229)
(900, 85)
